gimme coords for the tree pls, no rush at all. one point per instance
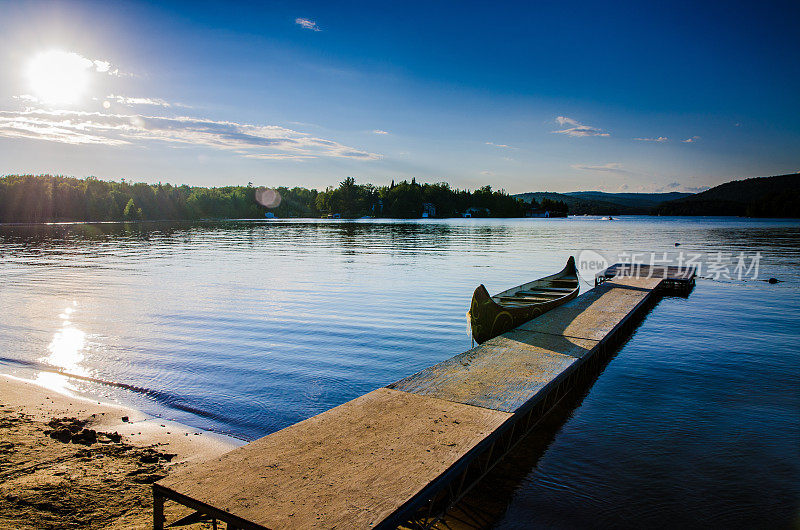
(131, 211)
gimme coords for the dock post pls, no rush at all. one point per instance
(158, 510)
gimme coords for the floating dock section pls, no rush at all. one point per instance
(403, 454)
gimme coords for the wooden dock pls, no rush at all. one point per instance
(405, 453)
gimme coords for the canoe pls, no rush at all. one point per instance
(490, 316)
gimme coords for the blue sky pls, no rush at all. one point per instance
(523, 96)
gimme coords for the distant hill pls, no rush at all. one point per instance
(634, 200)
(777, 196)
(601, 203)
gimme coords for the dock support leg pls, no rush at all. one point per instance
(158, 511)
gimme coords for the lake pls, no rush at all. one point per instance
(246, 327)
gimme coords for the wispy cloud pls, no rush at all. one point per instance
(248, 140)
(27, 98)
(501, 146)
(104, 67)
(691, 140)
(378, 131)
(572, 127)
(656, 139)
(75, 60)
(677, 186)
(125, 100)
(611, 166)
(307, 24)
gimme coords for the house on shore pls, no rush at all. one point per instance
(537, 213)
(475, 211)
(428, 210)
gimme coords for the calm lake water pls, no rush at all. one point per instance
(245, 327)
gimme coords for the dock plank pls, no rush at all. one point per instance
(504, 373)
(595, 314)
(350, 467)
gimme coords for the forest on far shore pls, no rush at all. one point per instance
(48, 198)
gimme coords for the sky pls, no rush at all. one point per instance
(523, 96)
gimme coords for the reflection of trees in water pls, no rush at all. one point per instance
(408, 238)
(486, 236)
(390, 237)
(58, 234)
(401, 235)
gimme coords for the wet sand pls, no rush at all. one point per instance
(71, 462)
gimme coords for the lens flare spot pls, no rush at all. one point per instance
(268, 197)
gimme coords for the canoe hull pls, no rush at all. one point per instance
(489, 319)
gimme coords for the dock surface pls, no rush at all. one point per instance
(378, 459)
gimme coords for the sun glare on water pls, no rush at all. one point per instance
(59, 77)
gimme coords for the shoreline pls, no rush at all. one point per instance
(70, 461)
(189, 444)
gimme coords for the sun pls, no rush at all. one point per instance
(59, 77)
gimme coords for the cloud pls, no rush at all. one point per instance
(78, 60)
(378, 131)
(574, 128)
(691, 140)
(54, 131)
(278, 156)
(657, 139)
(27, 97)
(501, 146)
(487, 173)
(102, 66)
(611, 166)
(247, 140)
(677, 186)
(125, 100)
(307, 24)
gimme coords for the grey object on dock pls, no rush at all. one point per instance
(407, 452)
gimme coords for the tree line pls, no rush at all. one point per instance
(409, 200)
(48, 198)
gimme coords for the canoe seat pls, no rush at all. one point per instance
(540, 292)
(527, 302)
(524, 300)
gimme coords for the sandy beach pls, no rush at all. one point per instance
(71, 462)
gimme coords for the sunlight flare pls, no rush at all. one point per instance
(59, 77)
